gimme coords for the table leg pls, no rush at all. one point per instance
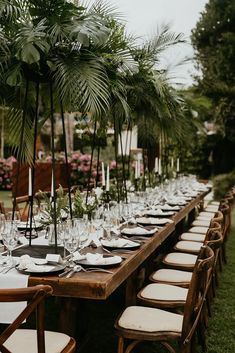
(67, 316)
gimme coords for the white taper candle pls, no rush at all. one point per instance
(107, 179)
(103, 174)
(52, 184)
(30, 192)
(159, 167)
(156, 165)
(178, 165)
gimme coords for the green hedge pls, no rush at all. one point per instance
(222, 183)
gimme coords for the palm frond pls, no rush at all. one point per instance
(10, 9)
(14, 117)
(82, 82)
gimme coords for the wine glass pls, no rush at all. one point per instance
(71, 244)
(64, 234)
(10, 238)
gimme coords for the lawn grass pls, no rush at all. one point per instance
(221, 331)
(6, 198)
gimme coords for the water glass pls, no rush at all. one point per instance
(10, 238)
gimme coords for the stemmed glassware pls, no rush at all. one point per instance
(71, 244)
(10, 238)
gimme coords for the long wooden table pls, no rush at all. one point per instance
(102, 285)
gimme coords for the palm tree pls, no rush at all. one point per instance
(47, 47)
(157, 108)
(49, 43)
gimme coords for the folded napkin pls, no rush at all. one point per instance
(154, 213)
(150, 220)
(33, 265)
(99, 259)
(9, 311)
(119, 243)
(138, 231)
(167, 207)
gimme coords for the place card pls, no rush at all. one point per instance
(54, 258)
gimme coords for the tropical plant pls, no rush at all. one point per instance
(48, 45)
(157, 108)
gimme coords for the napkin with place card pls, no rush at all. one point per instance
(138, 231)
(99, 259)
(39, 265)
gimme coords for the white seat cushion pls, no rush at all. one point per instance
(211, 208)
(159, 291)
(200, 223)
(207, 214)
(204, 218)
(193, 237)
(214, 203)
(188, 245)
(170, 275)
(146, 319)
(200, 230)
(25, 341)
(180, 258)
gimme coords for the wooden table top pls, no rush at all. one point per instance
(97, 285)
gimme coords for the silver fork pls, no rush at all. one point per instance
(79, 268)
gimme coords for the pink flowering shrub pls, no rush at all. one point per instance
(79, 167)
(6, 173)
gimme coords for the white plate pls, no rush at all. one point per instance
(42, 270)
(168, 207)
(24, 225)
(150, 220)
(138, 231)
(120, 244)
(103, 261)
(158, 213)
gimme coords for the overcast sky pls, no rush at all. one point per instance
(142, 18)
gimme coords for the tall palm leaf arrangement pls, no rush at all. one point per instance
(50, 43)
(118, 61)
(157, 108)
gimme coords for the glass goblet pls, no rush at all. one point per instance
(10, 238)
(71, 244)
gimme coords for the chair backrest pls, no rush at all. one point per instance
(35, 297)
(214, 226)
(218, 217)
(22, 206)
(225, 208)
(196, 293)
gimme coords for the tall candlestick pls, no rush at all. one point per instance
(136, 169)
(156, 165)
(30, 193)
(178, 165)
(103, 174)
(52, 184)
(107, 179)
(172, 162)
(159, 167)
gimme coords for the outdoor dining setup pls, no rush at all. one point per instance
(116, 181)
(91, 256)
